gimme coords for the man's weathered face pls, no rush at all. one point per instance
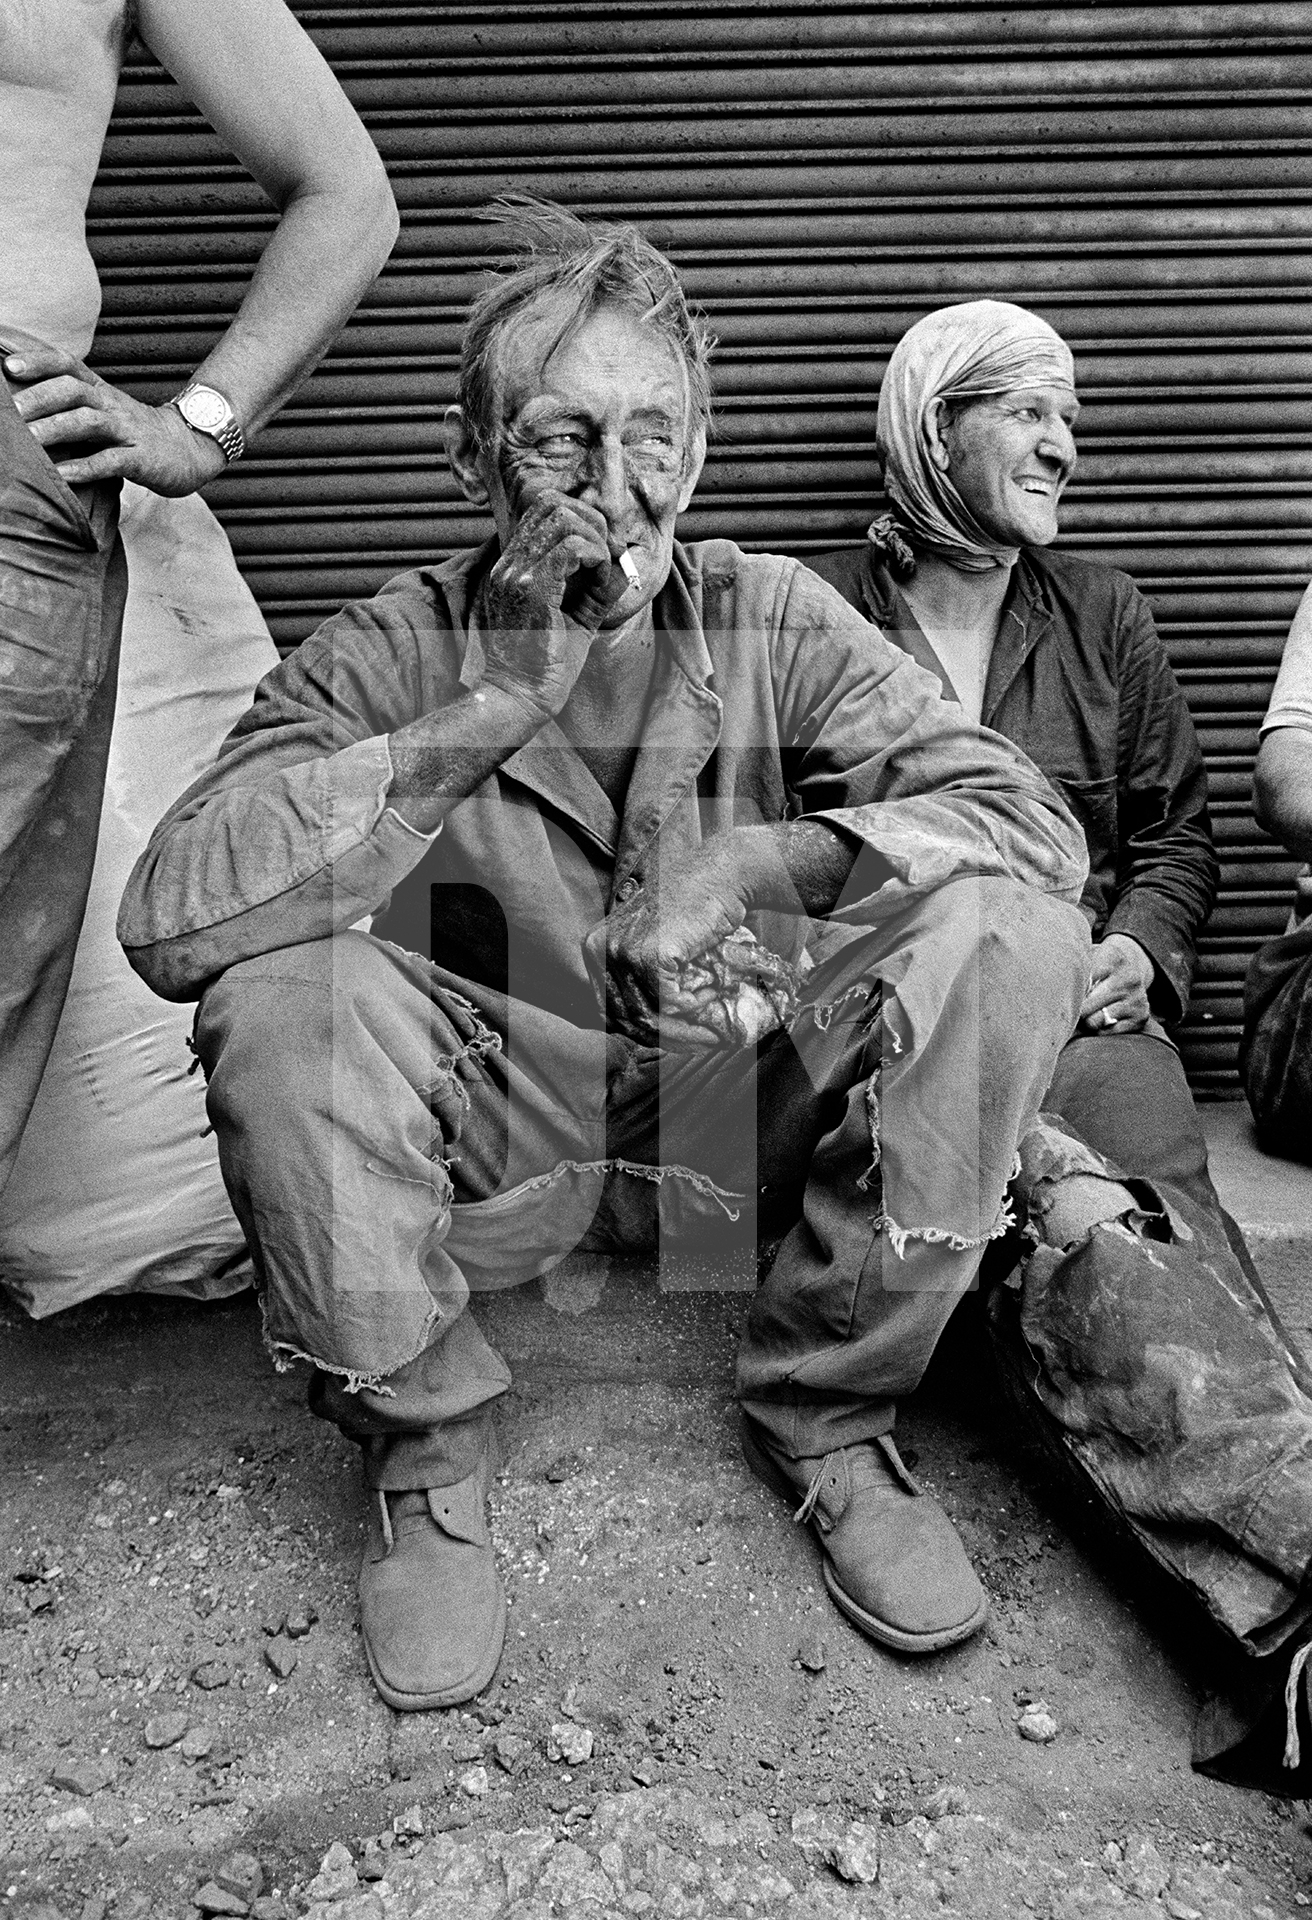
(1009, 457)
(603, 417)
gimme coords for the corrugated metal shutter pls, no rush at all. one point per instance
(823, 174)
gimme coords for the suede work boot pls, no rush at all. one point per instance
(892, 1559)
(432, 1607)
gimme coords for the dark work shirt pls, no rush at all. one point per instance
(1080, 681)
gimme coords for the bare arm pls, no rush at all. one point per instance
(1282, 788)
(271, 97)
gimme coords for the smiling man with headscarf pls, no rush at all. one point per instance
(1137, 1324)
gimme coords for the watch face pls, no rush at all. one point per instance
(204, 409)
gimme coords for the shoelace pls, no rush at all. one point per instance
(1293, 1751)
(807, 1507)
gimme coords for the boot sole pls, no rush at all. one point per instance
(452, 1696)
(870, 1624)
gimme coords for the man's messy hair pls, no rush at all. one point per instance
(554, 252)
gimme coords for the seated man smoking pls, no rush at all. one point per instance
(732, 926)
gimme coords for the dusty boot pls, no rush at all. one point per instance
(892, 1559)
(432, 1608)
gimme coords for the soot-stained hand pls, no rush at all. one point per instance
(678, 968)
(547, 594)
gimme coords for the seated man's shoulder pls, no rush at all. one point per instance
(422, 606)
(768, 594)
(721, 563)
(1088, 588)
(843, 567)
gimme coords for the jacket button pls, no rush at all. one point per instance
(626, 889)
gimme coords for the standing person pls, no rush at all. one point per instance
(68, 438)
(1139, 1325)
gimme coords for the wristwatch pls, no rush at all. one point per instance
(206, 410)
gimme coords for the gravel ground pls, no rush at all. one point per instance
(682, 1725)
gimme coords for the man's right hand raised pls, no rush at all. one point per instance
(545, 598)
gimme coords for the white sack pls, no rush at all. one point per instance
(116, 1187)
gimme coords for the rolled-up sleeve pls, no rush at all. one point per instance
(289, 836)
(877, 753)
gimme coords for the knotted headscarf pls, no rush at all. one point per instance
(984, 346)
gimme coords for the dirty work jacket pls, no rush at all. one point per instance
(772, 699)
(1080, 681)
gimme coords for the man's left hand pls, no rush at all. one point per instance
(1119, 979)
(62, 401)
(643, 949)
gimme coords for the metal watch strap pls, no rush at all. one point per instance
(228, 437)
(231, 439)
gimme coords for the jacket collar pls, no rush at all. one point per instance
(1026, 617)
(682, 731)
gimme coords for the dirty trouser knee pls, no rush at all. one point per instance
(63, 582)
(355, 1091)
(980, 984)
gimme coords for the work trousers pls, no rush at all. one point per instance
(390, 1133)
(63, 582)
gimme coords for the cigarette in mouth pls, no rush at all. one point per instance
(628, 569)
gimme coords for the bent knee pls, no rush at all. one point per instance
(285, 1003)
(1038, 943)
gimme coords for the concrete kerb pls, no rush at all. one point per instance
(1272, 1201)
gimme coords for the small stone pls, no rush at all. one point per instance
(644, 1772)
(82, 1776)
(299, 1622)
(409, 1824)
(282, 1657)
(198, 1743)
(811, 1655)
(273, 1623)
(95, 1908)
(267, 1908)
(563, 1469)
(69, 1820)
(1037, 1723)
(211, 1674)
(165, 1730)
(570, 1743)
(1181, 1910)
(1145, 1872)
(511, 1752)
(815, 1833)
(212, 1898)
(474, 1783)
(943, 1801)
(242, 1874)
(373, 1866)
(856, 1857)
(452, 1818)
(336, 1876)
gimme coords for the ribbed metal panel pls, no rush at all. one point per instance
(823, 174)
